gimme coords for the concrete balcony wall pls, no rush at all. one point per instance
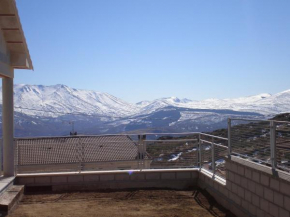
(250, 189)
(115, 180)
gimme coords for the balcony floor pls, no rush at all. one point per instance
(121, 203)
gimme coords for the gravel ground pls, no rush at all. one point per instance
(123, 203)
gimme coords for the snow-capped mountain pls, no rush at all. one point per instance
(278, 103)
(146, 107)
(42, 110)
(265, 104)
(59, 99)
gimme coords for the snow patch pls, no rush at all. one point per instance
(175, 157)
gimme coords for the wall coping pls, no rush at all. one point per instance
(216, 178)
(106, 172)
(252, 165)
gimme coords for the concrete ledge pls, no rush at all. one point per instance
(106, 172)
(5, 182)
(124, 179)
(11, 197)
(218, 179)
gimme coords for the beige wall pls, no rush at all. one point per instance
(174, 179)
(251, 190)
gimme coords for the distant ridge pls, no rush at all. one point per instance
(60, 99)
(47, 111)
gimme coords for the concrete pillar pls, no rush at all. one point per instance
(8, 126)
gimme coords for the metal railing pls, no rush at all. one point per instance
(213, 152)
(173, 152)
(122, 151)
(106, 152)
(76, 153)
(262, 141)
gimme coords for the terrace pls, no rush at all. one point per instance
(247, 172)
(245, 168)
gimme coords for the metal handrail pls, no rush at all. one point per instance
(213, 136)
(213, 145)
(100, 135)
(245, 119)
(216, 144)
(273, 144)
(265, 120)
(173, 140)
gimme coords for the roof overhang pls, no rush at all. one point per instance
(14, 36)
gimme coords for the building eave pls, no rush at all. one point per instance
(14, 35)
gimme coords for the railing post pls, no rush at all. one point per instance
(273, 144)
(138, 151)
(141, 151)
(18, 155)
(199, 151)
(144, 147)
(80, 154)
(212, 156)
(83, 154)
(229, 138)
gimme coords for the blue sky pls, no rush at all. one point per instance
(147, 49)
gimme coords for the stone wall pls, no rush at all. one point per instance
(250, 189)
(174, 179)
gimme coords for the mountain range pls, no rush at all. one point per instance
(47, 110)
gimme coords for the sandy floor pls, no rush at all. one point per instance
(126, 203)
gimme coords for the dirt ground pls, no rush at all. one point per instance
(142, 203)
